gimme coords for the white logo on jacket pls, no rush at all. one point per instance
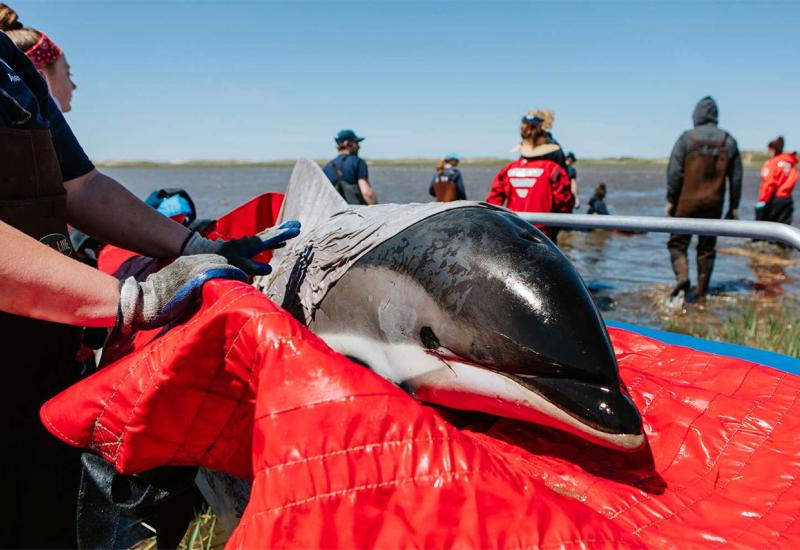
(523, 179)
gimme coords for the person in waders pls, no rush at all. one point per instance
(348, 172)
(46, 182)
(702, 160)
(447, 183)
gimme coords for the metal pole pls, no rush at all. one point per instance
(768, 231)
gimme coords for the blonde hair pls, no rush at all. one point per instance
(23, 37)
(546, 115)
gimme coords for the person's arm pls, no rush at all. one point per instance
(497, 192)
(101, 207)
(675, 174)
(735, 173)
(462, 191)
(363, 183)
(573, 187)
(36, 281)
(767, 188)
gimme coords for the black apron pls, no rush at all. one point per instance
(38, 473)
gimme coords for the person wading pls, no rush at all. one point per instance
(778, 179)
(348, 172)
(447, 184)
(702, 160)
(572, 174)
(46, 182)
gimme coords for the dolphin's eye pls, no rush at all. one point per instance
(429, 339)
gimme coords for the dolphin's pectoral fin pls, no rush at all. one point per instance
(605, 409)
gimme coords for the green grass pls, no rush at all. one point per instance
(769, 326)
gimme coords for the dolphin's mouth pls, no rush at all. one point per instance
(605, 415)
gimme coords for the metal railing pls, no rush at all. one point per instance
(768, 231)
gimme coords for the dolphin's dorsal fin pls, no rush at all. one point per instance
(310, 197)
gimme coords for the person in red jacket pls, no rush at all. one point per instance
(535, 182)
(778, 178)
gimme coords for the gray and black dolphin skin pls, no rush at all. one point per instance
(470, 308)
(476, 309)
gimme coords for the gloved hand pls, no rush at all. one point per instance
(577, 203)
(165, 294)
(733, 214)
(240, 251)
(669, 209)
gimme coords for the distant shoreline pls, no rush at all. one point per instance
(750, 160)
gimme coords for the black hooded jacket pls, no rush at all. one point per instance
(705, 118)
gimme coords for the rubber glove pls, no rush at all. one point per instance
(669, 209)
(240, 251)
(165, 295)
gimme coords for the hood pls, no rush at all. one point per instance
(791, 158)
(705, 112)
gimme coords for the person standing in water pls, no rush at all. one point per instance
(536, 182)
(572, 174)
(597, 204)
(778, 179)
(702, 160)
(45, 55)
(348, 172)
(447, 183)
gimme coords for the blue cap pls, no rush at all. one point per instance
(452, 155)
(571, 155)
(347, 135)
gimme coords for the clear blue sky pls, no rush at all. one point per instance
(275, 80)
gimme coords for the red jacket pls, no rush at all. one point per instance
(778, 177)
(532, 185)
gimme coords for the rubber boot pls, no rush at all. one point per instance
(680, 265)
(705, 265)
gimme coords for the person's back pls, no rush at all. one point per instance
(348, 172)
(447, 183)
(702, 160)
(597, 204)
(778, 179)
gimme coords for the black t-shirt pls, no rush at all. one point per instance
(25, 103)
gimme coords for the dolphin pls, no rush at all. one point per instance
(463, 305)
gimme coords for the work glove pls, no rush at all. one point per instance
(240, 251)
(165, 295)
(669, 209)
(733, 214)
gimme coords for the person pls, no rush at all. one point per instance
(46, 182)
(702, 159)
(348, 172)
(447, 183)
(45, 54)
(778, 179)
(535, 182)
(597, 204)
(572, 174)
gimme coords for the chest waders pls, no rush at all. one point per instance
(445, 188)
(38, 473)
(349, 191)
(702, 196)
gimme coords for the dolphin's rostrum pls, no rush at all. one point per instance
(464, 305)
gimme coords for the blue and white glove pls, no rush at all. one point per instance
(166, 294)
(240, 251)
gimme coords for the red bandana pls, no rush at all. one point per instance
(44, 52)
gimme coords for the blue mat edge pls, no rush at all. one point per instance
(775, 360)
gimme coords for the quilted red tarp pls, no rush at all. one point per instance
(340, 457)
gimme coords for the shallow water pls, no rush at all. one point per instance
(628, 274)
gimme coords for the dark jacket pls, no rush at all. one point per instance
(705, 118)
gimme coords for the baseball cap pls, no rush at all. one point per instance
(347, 135)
